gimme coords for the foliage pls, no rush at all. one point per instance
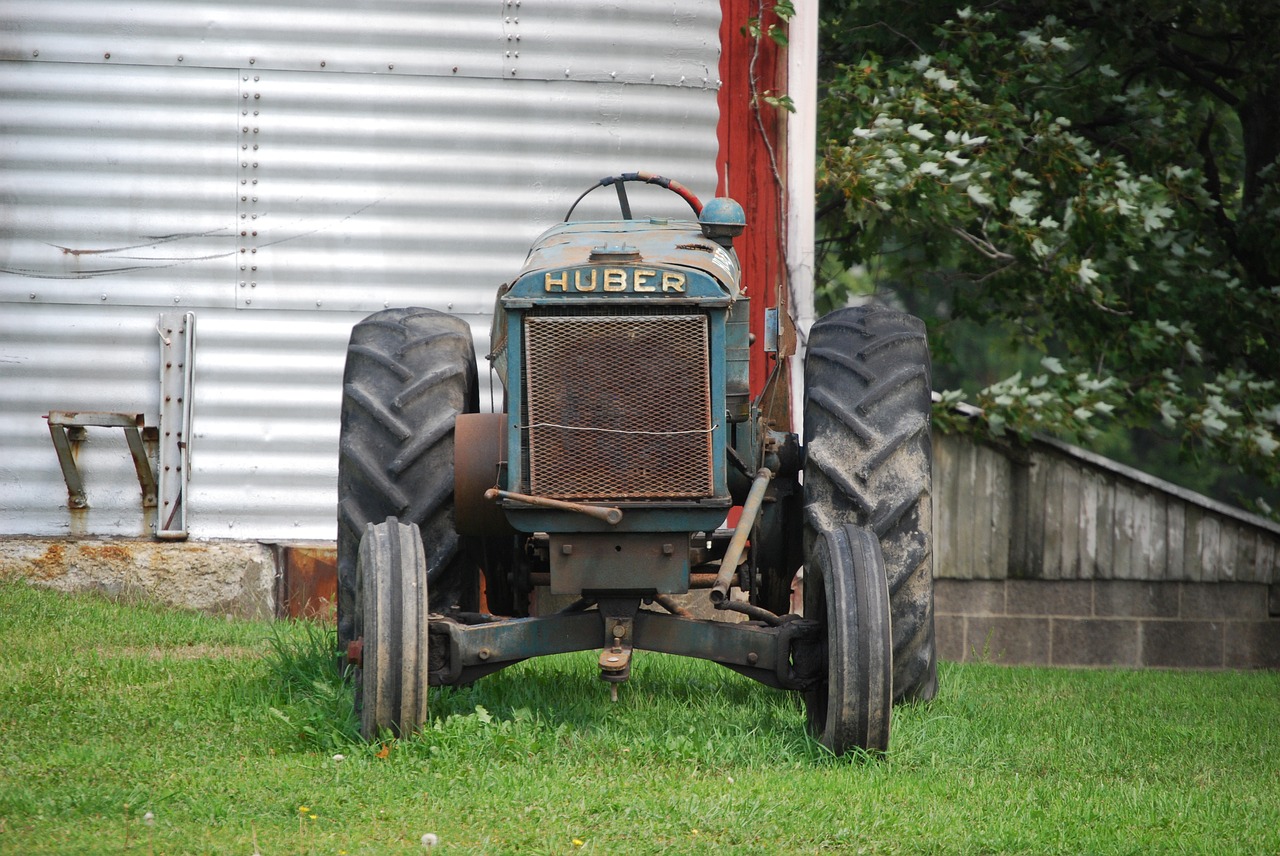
(1103, 179)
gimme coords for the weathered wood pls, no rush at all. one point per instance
(1054, 512)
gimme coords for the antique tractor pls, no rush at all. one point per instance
(628, 436)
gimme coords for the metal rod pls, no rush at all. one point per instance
(759, 613)
(750, 511)
(612, 516)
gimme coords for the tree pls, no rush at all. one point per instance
(1103, 178)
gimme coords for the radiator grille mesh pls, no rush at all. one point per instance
(618, 407)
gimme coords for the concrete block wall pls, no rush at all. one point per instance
(1124, 623)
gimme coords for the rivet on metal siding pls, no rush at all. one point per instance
(244, 198)
(247, 301)
(455, 69)
(244, 146)
(255, 233)
(106, 56)
(255, 199)
(32, 295)
(255, 267)
(179, 59)
(255, 147)
(253, 285)
(317, 303)
(254, 250)
(104, 297)
(566, 72)
(256, 78)
(391, 66)
(246, 95)
(35, 53)
(242, 231)
(252, 60)
(242, 283)
(613, 74)
(513, 71)
(177, 299)
(257, 95)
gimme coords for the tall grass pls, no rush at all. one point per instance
(130, 728)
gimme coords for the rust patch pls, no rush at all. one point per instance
(113, 553)
(310, 582)
(51, 565)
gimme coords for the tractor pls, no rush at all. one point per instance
(627, 440)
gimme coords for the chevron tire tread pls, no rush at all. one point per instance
(409, 373)
(868, 458)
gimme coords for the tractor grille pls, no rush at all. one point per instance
(618, 407)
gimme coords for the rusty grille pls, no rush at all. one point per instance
(618, 407)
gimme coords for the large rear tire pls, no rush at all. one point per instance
(409, 373)
(868, 398)
(845, 587)
(393, 621)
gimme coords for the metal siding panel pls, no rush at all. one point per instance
(126, 146)
(379, 191)
(641, 41)
(118, 185)
(386, 36)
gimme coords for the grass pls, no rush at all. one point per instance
(129, 728)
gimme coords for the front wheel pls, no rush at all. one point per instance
(845, 587)
(393, 621)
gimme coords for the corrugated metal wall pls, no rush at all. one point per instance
(281, 169)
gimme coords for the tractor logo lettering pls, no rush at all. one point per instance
(634, 280)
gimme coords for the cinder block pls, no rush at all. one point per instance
(1137, 599)
(1094, 642)
(1253, 644)
(949, 637)
(1049, 597)
(968, 597)
(1224, 602)
(1182, 644)
(1008, 641)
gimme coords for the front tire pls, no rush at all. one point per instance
(846, 588)
(868, 400)
(393, 621)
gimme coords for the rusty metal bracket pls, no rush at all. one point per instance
(68, 427)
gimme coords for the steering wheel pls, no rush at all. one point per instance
(619, 182)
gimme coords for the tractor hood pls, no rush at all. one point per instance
(641, 256)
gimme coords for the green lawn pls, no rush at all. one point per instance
(128, 728)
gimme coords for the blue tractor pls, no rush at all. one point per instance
(628, 435)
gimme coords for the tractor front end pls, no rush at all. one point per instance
(627, 437)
